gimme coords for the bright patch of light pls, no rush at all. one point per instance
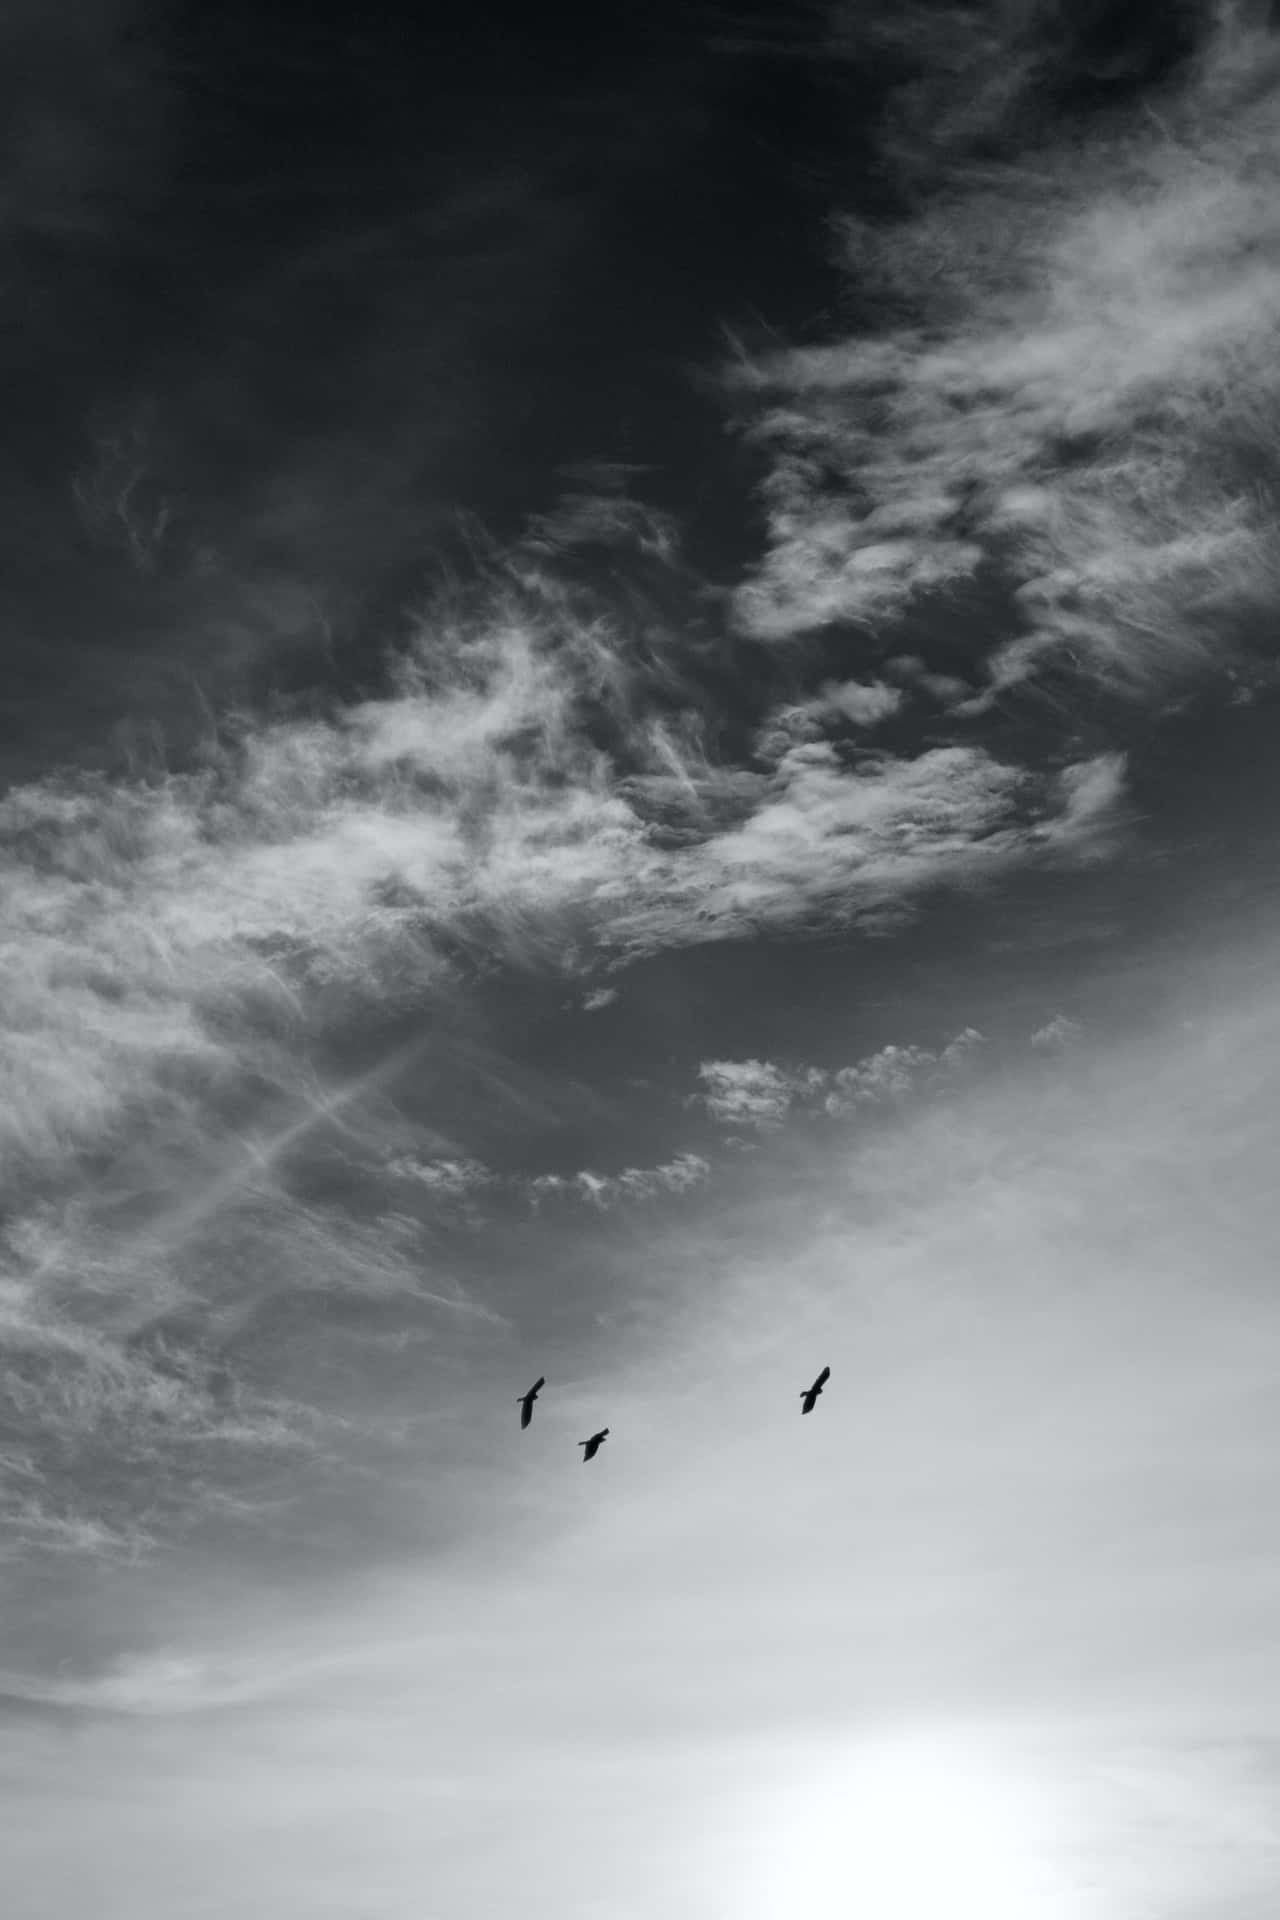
(912, 1829)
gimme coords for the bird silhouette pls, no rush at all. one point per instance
(810, 1394)
(527, 1399)
(594, 1444)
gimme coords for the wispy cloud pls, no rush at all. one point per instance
(118, 497)
(603, 513)
(1083, 399)
(170, 940)
(830, 838)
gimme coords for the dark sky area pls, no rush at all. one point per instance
(354, 282)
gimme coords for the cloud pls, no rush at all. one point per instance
(1081, 403)
(759, 1095)
(1057, 1034)
(606, 517)
(599, 998)
(946, 688)
(679, 1175)
(142, 1685)
(974, 83)
(864, 703)
(172, 939)
(747, 1093)
(444, 1179)
(854, 702)
(451, 1183)
(117, 496)
(831, 839)
(895, 1071)
(124, 1438)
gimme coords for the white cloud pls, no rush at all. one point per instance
(825, 840)
(865, 703)
(946, 688)
(1056, 1034)
(686, 1171)
(862, 703)
(598, 998)
(600, 1190)
(1084, 397)
(747, 1093)
(759, 1095)
(895, 1071)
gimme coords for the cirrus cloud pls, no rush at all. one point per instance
(1082, 400)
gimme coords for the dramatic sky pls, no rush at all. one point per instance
(638, 743)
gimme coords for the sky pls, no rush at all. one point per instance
(638, 745)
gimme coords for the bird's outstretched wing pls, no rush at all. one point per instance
(823, 1377)
(527, 1399)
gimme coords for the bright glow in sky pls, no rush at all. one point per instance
(910, 1828)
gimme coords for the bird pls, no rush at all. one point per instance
(594, 1444)
(527, 1399)
(810, 1394)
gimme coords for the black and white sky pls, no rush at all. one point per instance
(638, 743)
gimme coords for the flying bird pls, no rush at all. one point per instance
(527, 1399)
(594, 1444)
(810, 1394)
